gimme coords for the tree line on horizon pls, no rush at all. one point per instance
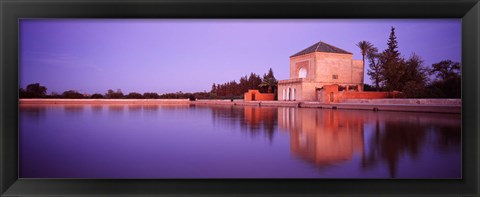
(235, 90)
(389, 71)
(229, 90)
(36, 90)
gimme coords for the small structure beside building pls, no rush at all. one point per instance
(335, 93)
(255, 95)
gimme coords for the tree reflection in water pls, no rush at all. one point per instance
(326, 137)
(97, 108)
(74, 110)
(32, 113)
(251, 119)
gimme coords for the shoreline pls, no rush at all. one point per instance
(427, 108)
(454, 108)
(103, 101)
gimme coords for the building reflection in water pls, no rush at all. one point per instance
(325, 137)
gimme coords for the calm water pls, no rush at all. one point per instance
(182, 141)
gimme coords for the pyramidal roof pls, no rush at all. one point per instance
(321, 47)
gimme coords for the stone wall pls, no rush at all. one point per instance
(255, 95)
(365, 95)
(405, 101)
(309, 91)
(327, 94)
(331, 94)
(357, 72)
(347, 70)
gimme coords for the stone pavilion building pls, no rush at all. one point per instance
(317, 66)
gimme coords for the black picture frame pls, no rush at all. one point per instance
(13, 10)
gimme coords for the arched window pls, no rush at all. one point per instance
(302, 73)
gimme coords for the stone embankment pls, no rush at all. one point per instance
(405, 105)
(104, 101)
(406, 101)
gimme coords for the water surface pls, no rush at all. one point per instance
(188, 141)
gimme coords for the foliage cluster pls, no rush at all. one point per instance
(266, 84)
(390, 71)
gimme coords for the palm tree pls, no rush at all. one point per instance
(269, 81)
(364, 46)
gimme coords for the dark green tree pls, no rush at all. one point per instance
(72, 94)
(97, 96)
(445, 69)
(134, 95)
(243, 84)
(375, 68)
(214, 88)
(368, 87)
(415, 77)
(23, 93)
(415, 70)
(114, 94)
(392, 64)
(448, 83)
(151, 95)
(254, 81)
(34, 90)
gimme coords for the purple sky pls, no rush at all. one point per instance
(167, 55)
